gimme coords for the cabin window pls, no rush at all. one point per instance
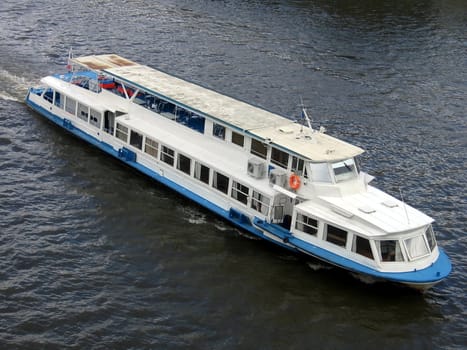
(218, 131)
(238, 139)
(306, 224)
(416, 247)
(167, 109)
(336, 235)
(151, 147)
(297, 165)
(260, 202)
(58, 100)
(240, 192)
(430, 236)
(220, 182)
(202, 173)
(136, 139)
(362, 246)
(279, 157)
(83, 112)
(70, 105)
(95, 118)
(167, 155)
(184, 164)
(122, 132)
(258, 148)
(344, 170)
(389, 251)
(49, 95)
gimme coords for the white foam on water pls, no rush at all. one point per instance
(7, 97)
(17, 86)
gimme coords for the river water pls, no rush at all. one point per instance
(96, 256)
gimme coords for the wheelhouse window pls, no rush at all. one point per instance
(218, 131)
(336, 235)
(416, 247)
(136, 139)
(258, 148)
(70, 105)
(83, 112)
(122, 132)
(362, 246)
(184, 164)
(389, 251)
(220, 182)
(344, 170)
(151, 147)
(298, 165)
(202, 172)
(238, 139)
(279, 158)
(306, 224)
(168, 155)
(260, 202)
(240, 192)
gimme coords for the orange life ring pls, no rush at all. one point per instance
(294, 182)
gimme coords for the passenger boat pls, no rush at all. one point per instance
(276, 178)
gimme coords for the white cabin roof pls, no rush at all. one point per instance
(258, 122)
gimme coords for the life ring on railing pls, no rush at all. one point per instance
(294, 182)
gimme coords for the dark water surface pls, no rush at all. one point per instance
(95, 256)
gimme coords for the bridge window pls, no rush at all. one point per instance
(202, 173)
(280, 158)
(220, 182)
(306, 224)
(184, 164)
(240, 192)
(298, 165)
(344, 170)
(258, 148)
(122, 132)
(336, 235)
(151, 147)
(136, 139)
(167, 155)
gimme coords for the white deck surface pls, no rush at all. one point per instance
(264, 125)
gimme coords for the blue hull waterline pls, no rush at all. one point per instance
(297, 224)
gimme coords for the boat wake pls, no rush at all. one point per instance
(12, 87)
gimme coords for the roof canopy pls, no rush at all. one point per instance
(264, 125)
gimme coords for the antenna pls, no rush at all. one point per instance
(305, 113)
(405, 207)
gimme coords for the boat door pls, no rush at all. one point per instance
(281, 211)
(109, 122)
